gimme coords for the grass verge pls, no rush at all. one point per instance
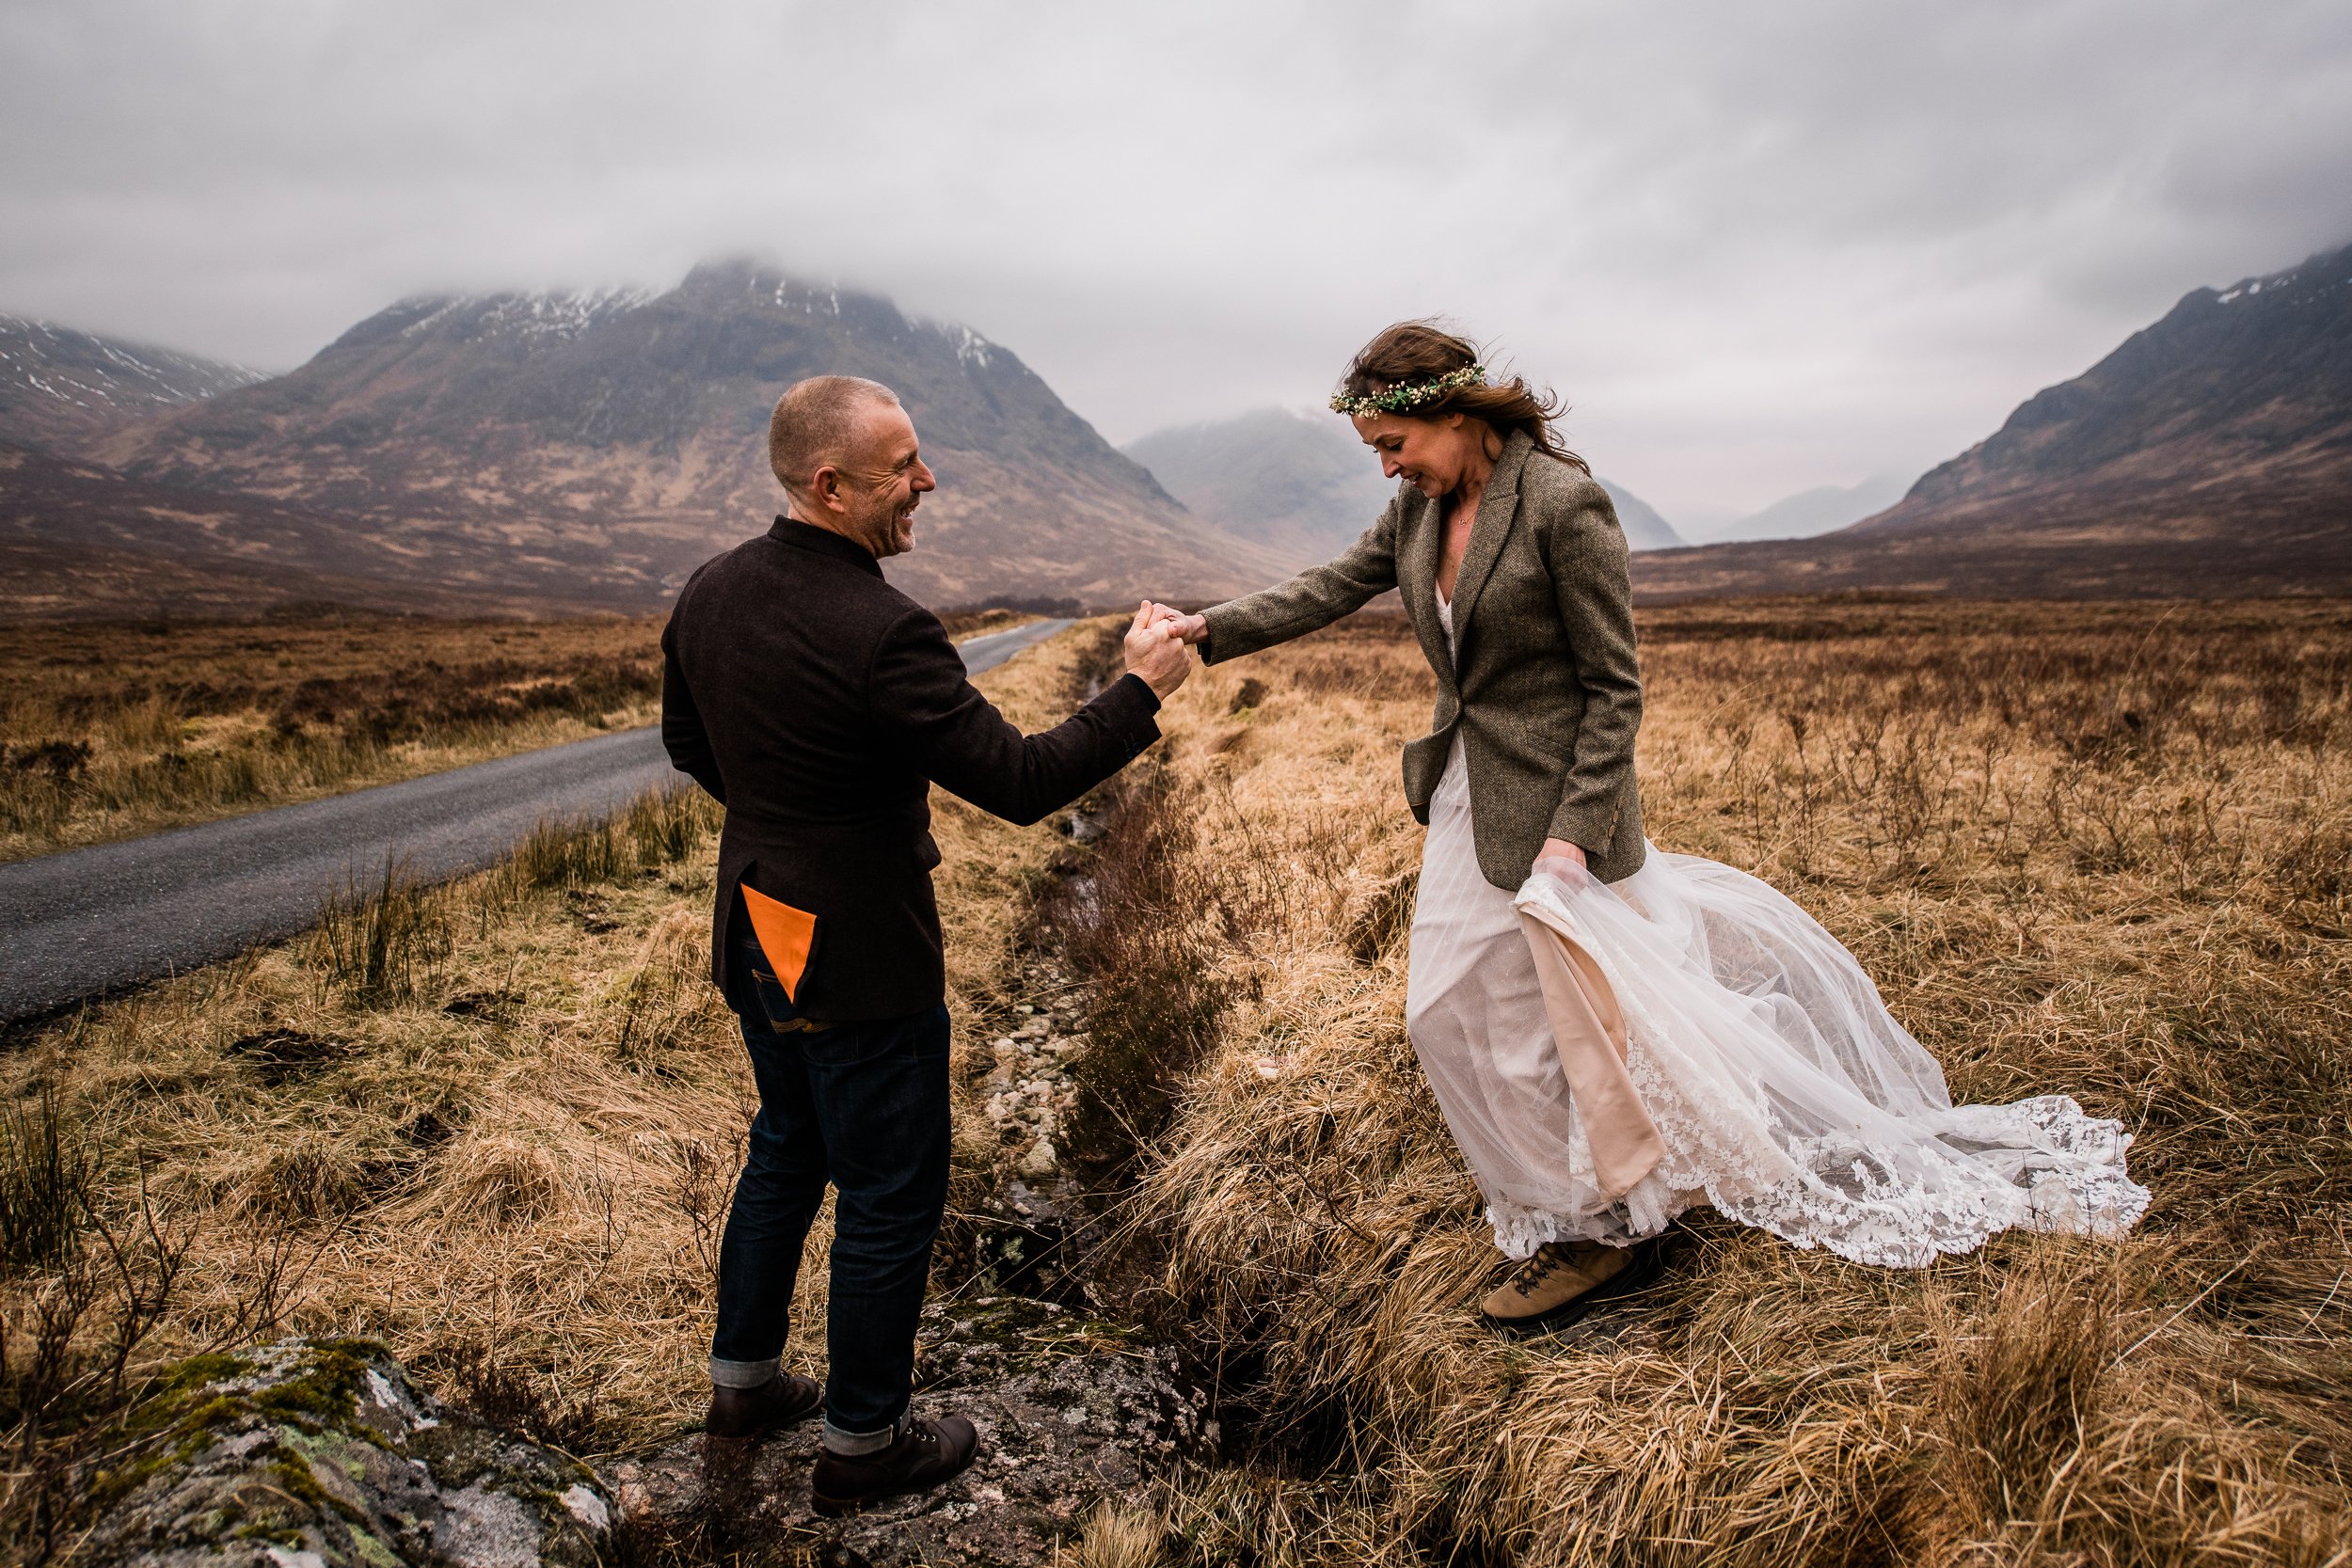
(112, 729)
(493, 1125)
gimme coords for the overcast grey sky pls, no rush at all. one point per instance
(1760, 247)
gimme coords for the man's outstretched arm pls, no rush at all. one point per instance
(940, 722)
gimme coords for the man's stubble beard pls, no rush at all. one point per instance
(887, 532)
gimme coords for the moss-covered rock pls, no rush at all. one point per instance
(312, 1453)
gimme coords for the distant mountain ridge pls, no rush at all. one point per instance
(2246, 385)
(60, 388)
(2210, 453)
(600, 445)
(1645, 529)
(1302, 483)
(1819, 510)
(1295, 480)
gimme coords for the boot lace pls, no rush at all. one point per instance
(1537, 1269)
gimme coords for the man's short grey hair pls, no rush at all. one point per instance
(816, 425)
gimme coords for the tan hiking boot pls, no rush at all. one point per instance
(1564, 1280)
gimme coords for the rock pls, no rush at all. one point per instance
(1070, 1410)
(1042, 1160)
(308, 1453)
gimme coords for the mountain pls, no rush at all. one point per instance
(2210, 454)
(1817, 511)
(1645, 529)
(1302, 483)
(1299, 481)
(79, 540)
(601, 445)
(61, 389)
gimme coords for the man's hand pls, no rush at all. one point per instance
(1192, 629)
(1565, 861)
(1156, 651)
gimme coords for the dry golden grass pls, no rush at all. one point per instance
(2093, 850)
(109, 730)
(494, 1126)
(112, 729)
(2083, 848)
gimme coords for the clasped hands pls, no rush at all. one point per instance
(1158, 647)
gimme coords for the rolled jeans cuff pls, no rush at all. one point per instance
(744, 1374)
(856, 1445)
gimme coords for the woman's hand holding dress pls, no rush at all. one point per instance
(1561, 859)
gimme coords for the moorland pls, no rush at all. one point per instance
(110, 729)
(2092, 848)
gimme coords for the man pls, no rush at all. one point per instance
(820, 704)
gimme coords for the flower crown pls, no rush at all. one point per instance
(1405, 396)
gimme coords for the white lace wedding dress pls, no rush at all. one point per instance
(1782, 1091)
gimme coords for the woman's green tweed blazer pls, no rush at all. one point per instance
(1548, 692)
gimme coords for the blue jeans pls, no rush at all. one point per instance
(862, 1106)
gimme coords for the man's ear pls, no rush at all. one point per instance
(825, 487)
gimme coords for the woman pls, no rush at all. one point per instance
(1616, 1035)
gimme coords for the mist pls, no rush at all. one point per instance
(1758, 250)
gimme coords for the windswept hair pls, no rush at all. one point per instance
(1419, 351)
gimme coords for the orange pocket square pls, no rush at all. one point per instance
(785, 934)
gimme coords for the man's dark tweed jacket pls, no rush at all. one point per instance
(1547, 695)
(818, 704)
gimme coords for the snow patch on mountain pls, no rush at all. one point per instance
(531, 317)
(60, 388)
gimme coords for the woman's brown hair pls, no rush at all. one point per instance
(1419, 351)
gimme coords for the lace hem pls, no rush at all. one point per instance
(1790, 1098)
(2069, 1178)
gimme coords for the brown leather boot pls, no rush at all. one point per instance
(924, 1455)
(743, 1413)
(1564, 1281)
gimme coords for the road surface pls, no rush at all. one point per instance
(90, 921)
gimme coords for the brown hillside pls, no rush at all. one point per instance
(80, 541)
(2209, 455)
(60, 388)
(618, 438)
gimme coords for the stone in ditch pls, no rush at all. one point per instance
(1016, 1368)
(320, 1452)
(1043, 1158)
